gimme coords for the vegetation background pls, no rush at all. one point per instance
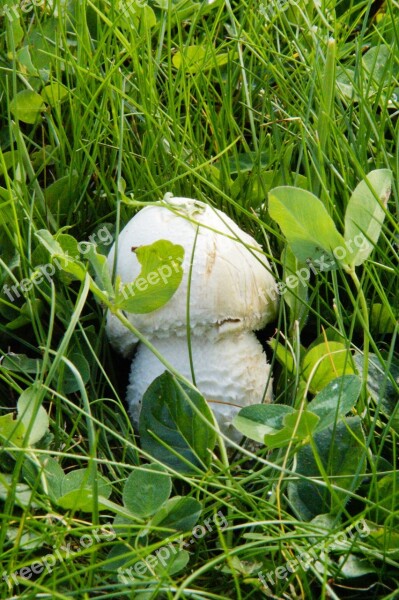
(106, 106)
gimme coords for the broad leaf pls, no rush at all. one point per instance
(296, 276)
(70, 382)
(61, 259)
(53, 93)
(32, 415)
(78, 491)
(22, 493)
(50, 476)
(379, 384)
(27, 105)
(61, 194)
(326, 362)
(335, 400)
(174, 563)
(341, 452)
(259, 420)
(376, 62)
(170, 428)
(11, 431)
(365, 214)
(177, 514)
(21, 363)
(146, 489)
(194, 59)
(160, 276)
(309, 229)
(385, 501)
(283, 355)
(102, 274)
(298, 427)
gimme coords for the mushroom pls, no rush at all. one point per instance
(231, 371)
(231, 294)
(231, 280)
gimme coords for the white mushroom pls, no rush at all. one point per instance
(231, 279)
(231, 293)
(230, 371)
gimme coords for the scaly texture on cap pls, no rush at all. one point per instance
(230, 371)
(232, 287)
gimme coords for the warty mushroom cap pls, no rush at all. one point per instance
(231, 286)
(231, 371)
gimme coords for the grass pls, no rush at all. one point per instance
(264, 100)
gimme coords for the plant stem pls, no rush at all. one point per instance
(364, 318)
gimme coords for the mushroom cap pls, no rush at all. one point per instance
(231, 285)
(230, 371)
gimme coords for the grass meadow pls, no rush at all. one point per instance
(106, 106)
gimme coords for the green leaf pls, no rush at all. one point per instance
(382, 319)
(146, 489)
(102, 274)
(308, 227)
(283, 355)
(54, 93)
(335, 400)
(70, 383)
(21, 363)
(380, 386)
(298, 427)
(326, 362)
(22, 493)
(78, 493)
(194, 59)
(365, 214)
(385, 501)
(32, 415)
(49, 242)
(341, 452)
(8, 158)
(387, 540)
(27, 105)
(177, 514)
(60, 194)
(376, 63)
(259, 420)
(185, 439)
(174, 563)
(50, 475)
(25, 61)
(64, 261)
(160, 276)
(354, 566)
(11, 431)
(296, 296)
(242, 162)
(6, 209)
